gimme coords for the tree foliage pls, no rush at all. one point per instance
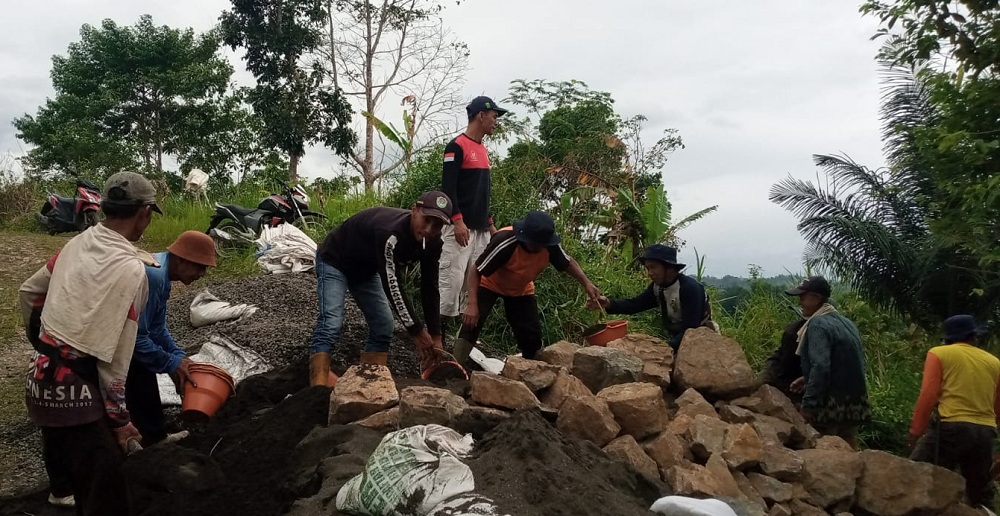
(126, 97)
(296, 110)
(394, 49)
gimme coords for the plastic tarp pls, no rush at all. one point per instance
(220, 351)
(207, 309)
(417, 471)
(285, 248)
(684, 506)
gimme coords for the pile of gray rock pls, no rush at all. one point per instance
(695, 422)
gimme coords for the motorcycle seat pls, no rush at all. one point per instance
(239, 210)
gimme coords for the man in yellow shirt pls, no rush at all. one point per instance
(963, 381)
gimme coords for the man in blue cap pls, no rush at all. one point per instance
(465, 179)
(682, 300)
(962, 381)
(507, 270)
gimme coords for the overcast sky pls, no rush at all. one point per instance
(754, 87)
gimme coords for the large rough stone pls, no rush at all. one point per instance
(680, 425)
(693, 480)
(657, 356)
(781, 463)
(830, 477)
(707, 436)
(770, 401)
(734, 414)
(770, 489)
(638, 407)
(691, 403)
(564, 386)
(626, 449)
(891, 486)
(599, 367)
(727, 484)
(772, 429)
(385, 421)
(802, 508)
(497, 391)
(559, 354)
(421, 405)
(536, 374)
(741, 448)
(780, 510)
(588, 418)
(750, 492)
(833, 442)
(361, 391)
(667, 450)
(713, 364)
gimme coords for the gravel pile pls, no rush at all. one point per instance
(281, 328)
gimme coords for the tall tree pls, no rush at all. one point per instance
(122, 95)
(394, 50)
(294, 106)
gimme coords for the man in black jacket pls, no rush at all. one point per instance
(682, 300)
(364, 255)
(783, 366)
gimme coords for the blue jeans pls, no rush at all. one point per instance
(331, 287)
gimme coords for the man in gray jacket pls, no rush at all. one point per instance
(834, 393)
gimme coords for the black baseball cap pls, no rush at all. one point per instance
(480, 104)
(536, 228)
(436, 204)
(817, 284)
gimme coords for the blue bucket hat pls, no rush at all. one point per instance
(958, 327)
(536, 228)
(662, 253)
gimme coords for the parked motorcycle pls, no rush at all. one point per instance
(77, 213)
(233, 225)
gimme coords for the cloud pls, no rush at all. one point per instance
(755, 88)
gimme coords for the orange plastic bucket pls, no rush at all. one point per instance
(602, 334)
(215, 385)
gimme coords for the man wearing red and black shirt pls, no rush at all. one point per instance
(507, 270)
(465, 178)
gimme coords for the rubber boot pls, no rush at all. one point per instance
(319, 368)
(463, 348)
(375, 357)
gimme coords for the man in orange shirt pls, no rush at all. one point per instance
(507, 270)
(963, 381)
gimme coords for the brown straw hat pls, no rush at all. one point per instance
(195, 247)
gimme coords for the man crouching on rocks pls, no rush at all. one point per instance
(365, 255)
(81, 311)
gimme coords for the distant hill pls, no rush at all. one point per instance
(735, 282)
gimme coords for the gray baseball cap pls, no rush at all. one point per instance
(130, 189)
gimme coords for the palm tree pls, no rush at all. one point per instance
(873, 228)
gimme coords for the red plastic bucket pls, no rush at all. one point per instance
(215, 386)
(602, 334)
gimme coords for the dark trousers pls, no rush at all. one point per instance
(964, 446)
(89, 457)
(522, 315)
(142, 397)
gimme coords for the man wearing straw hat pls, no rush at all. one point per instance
(682, 300)
(962, 381)
(81, 313)
(156, 351)
(507, 270)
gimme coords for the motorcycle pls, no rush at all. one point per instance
(77, 213)
(233, 225)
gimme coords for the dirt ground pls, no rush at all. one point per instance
(269, 449)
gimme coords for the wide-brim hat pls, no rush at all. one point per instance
(958, 327)
(536, 228)
(195, 247)
(663, 254)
